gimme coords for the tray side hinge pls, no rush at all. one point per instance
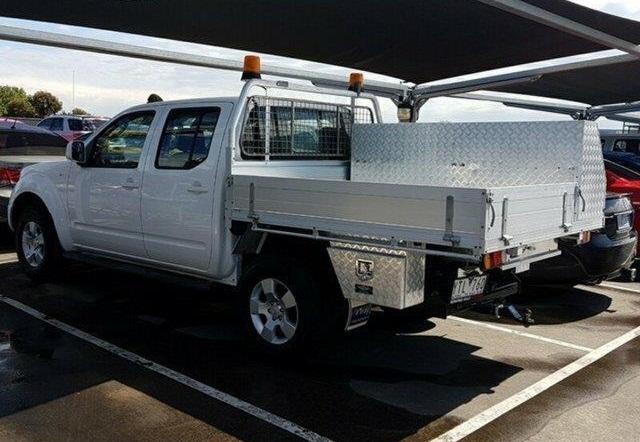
(566, 225)
(448, 223)
(252, 205)
(505, 222)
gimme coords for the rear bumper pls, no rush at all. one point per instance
(499, 287)
(501, 284)
(602, 258)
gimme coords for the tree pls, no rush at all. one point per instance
(45, 103)
(20, 107)
(154, 98)
(79, 111)
(9, 93)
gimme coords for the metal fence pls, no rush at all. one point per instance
(290, 128)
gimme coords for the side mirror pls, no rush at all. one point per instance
(76, 151)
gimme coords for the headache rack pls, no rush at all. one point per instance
(292, 128)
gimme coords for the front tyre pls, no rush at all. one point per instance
(37, 245)
(288, 309)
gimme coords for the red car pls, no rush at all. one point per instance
(621, 179)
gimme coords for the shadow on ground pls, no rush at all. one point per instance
(375, 384)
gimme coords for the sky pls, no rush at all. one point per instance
(106, 85)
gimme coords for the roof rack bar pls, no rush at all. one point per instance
(610, 109)
(561, 23)
(613, 112)
(522, 103)
(52, 39)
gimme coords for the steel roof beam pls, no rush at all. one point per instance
(561, 23)
(521, 103)
(611, 112)
(144, 53)
(611, 109)
(529, 75)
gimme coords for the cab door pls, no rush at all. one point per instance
(104, 194)
(178, 188)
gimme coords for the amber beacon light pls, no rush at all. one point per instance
(356, 82)
(251, 67)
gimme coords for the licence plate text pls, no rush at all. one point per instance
(467, 288)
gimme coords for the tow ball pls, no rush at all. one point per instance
(523, 318)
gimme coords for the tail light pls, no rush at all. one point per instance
(492, 260)
(9, 176)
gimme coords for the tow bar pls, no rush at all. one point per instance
(525, 319)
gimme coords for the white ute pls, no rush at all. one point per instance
(311, 207)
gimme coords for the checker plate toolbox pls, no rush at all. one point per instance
(385, 277)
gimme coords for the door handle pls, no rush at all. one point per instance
(197, 187)
(130, 184)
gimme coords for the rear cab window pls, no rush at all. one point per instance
(293, 129)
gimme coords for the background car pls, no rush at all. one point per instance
(610, 253)
(20, 146)
(617, 141)
(72, 127)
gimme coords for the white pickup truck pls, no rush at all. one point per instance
(311, 207)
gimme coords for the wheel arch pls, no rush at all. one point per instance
(28, 194)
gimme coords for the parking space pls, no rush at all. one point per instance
(143, 359)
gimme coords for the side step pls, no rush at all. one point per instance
(187, 281)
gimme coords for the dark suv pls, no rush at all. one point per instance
(21, 145)
(610, 253)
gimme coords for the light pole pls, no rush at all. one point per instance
(73, 90)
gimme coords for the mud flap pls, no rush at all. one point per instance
(359, 313)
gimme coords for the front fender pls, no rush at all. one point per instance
(50, 186)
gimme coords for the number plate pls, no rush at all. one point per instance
(467, 288)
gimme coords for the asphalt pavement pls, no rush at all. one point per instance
(103, 355)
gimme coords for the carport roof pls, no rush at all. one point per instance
(594, 85)
(415, 40)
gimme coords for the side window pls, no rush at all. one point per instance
(120, 144)
(75, 124)
(186, 138)
(628, 145)
(56, 124)
(45, 124)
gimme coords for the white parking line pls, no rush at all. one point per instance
(521, 333)
(480, 420)
(615, 287)
(248, 408)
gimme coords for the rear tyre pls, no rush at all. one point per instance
(37, 244)
(289, 310)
